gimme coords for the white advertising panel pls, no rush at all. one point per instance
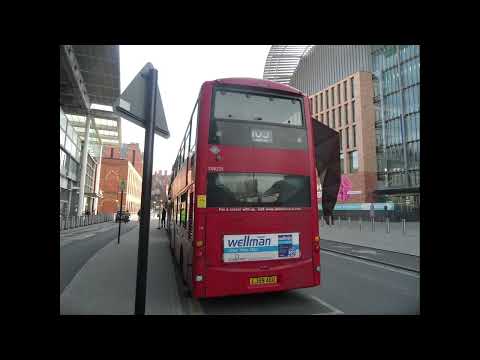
(257, 247)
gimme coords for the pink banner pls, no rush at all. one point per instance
(345, 187)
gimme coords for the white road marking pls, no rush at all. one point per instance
(335, 311)
(404, 272)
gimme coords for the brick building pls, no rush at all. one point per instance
(130, 152)
(347, 107)
(124, 162)
(379, 121)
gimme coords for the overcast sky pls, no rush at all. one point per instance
(181, 72)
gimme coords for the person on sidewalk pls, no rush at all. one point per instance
(386, 212)
(164, 214)
(372, 211)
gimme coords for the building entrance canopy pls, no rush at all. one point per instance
(89, 82)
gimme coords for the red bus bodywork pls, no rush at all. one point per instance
(200, 251)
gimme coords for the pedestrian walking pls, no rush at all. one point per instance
(164, 215)
(372, 211)
(385, 208)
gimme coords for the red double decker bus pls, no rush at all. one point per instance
(243, 214)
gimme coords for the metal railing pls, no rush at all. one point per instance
(72, 222)
(362, 223)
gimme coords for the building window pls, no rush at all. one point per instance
(354, 136)
(353, 111)
(326, 99)
(352, 86)
(133, 157)
(339, 116)
(342, 159)
(347, 135)
(353, 161)
(346, 114)
(321, 101)
(338, 94)
(332, 92)
(111, 152)
(341, 140)
(333, 118)
(345, 90)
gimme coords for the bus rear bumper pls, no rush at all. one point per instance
(229, 280)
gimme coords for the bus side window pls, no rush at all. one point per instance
(190, 216)
(183, 210)
(177, 217)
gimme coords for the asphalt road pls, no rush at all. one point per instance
(77, 246)
(349, 285)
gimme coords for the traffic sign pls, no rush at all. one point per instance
(133, 103)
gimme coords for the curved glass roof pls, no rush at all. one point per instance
(282, 60)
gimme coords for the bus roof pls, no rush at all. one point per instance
(259, 83)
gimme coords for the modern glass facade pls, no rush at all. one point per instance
(70, 150)
(396, 78)
(326, 72)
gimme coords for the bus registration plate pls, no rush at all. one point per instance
(263, 280)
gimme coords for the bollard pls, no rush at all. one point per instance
(360, 222)
(403, 226)
(373, 224)
(388, 225)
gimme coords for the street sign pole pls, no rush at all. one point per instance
(121, 214)
(142, 259)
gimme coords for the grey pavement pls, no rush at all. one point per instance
(404, 261)
(106, 283)
(79, 245)
(395, 241)
(349, 286)
(360, 287)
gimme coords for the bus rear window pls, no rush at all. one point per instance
(242, 106)
(257, 190)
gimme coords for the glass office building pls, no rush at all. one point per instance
(395, 72)
(396, 79)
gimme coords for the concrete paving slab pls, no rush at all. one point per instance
(106, 284)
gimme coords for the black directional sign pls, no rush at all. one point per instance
(132, 103)
(141, 104)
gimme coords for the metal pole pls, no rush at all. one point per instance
(360, 222)
(121, 215)
(373, 224)
(388, 225)
(331, 220)
(142, 262)
(83, 170)
(403, 226)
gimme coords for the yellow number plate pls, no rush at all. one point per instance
(263, 280)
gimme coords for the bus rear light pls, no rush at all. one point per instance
(199, 278)
(318, 268)
(199, 243)
(316, 238)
